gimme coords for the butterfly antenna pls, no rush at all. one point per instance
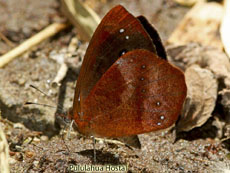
(59, 107)
(32, 86)
(40, 104)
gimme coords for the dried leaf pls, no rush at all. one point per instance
(201, 98)
(201, 25)
(225, 28)
(211, 59)
(206, 57)
(82, 17)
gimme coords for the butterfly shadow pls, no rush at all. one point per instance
(101, 157)
(71, 76)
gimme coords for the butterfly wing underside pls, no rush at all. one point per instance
(118, 32)
(139, 93)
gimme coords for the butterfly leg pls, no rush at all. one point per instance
(94, 149)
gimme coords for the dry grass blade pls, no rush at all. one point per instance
(187, 3)
(4, 152)
(4, 38)
(225, 28)
(34, 40)
(82, 17)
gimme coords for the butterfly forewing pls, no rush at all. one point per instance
(154, 36)
(139, 93)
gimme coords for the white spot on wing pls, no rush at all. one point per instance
(122, 30)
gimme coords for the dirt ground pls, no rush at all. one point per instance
(36, 141)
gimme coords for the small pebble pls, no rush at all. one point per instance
(12, 161)
(19, 156)
(36, 163)
(116, 156)
(36, 139)
(18, 126)
(101, 142)
(29, 154)
(44, 138)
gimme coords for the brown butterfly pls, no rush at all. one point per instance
(125, 86)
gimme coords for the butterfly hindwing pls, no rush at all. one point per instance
(139, 93)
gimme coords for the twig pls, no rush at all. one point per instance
(4, 38)
(34, 40)
(60, 75)
(63, 59)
